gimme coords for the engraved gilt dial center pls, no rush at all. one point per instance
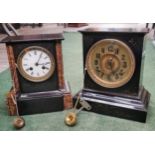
(109, 64)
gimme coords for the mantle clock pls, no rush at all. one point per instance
(113, 67)
(36, 67)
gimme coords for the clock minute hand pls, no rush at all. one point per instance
(110, 63)
(111, 66)
(39, 58)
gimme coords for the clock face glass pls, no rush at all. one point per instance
(36, 64)
(110, 63)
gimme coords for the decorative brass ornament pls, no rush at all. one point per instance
(110, 63)
(36, 64)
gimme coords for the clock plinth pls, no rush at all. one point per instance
(113, 67)
(128, 107)
(50, 101)
(36, 67)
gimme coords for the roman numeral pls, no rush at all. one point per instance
(31, 73)
(47, 63)
(47, 68)
(27, 69)
(35, 52)
(45, 57)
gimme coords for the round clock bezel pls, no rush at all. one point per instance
(104, 83)
(27, 76)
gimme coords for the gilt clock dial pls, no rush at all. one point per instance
(110, 63)
(36, 64)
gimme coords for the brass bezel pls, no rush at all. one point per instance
(102, 82)
(28, 77)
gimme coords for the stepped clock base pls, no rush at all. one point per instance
(132, 108)
(40, 102)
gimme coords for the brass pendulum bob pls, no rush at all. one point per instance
(19, 121)
(71, 118)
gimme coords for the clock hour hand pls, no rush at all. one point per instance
(30, 68)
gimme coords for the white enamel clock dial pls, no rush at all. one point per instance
(36, 64)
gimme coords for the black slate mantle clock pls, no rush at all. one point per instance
(36, 67)
(113, 67)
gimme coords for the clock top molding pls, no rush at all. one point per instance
(115, 30)
(31, 38)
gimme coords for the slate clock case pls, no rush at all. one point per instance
(113, 67)
(37, 72)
